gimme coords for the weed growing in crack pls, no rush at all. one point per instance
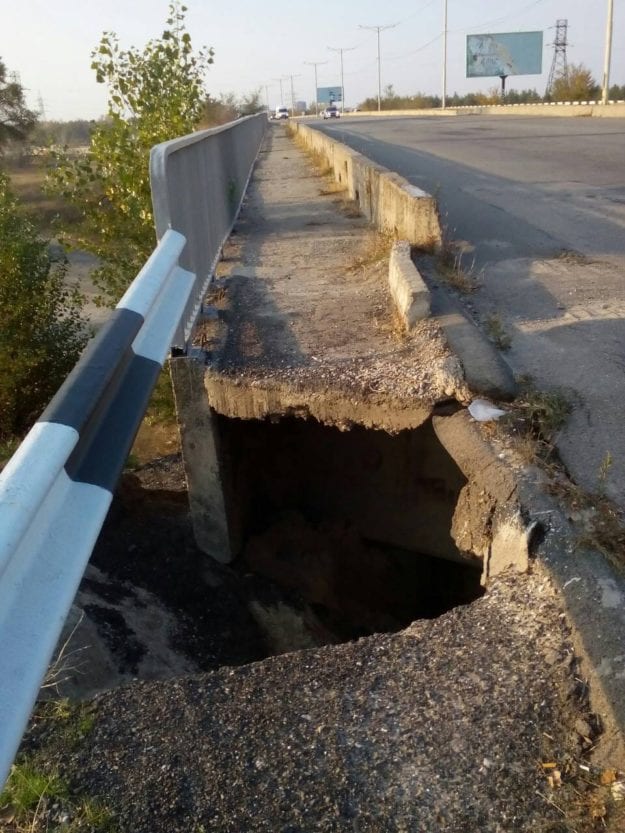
(604, 470)
(35, 801)
(332, 188)
(599, 522)
(28, 793)
(465, 279)
(534, 419)
(496, 332)
(378, 248)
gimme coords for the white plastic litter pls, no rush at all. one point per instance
(484, 411)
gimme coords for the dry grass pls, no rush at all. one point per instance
(349, 208)
(27, 181)
(376, 249)
(332, 188)
(452, 269)
(599, 522)
(496, 332)
(533, 423)
(535, 419)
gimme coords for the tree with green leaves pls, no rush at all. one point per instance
(154, 94)
(16, 120)
(577, 85)
(42, 330)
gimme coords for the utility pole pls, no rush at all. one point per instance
(281, 79)
(444, 99)
(292, 94)
(341, 50)
(379, 29)
(605, 92)
(316, 64)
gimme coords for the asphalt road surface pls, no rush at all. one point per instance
(538, 207)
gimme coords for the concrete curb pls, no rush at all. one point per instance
(389, 201)
(593, 593)
(615, 109)
(485, 371)
(408, 290)
(591, 590)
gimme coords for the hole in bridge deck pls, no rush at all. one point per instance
(353, 526)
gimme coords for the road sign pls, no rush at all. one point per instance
(508, 53)
(328, 95)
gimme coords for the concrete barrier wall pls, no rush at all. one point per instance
(388, 200)
(615, 109)
(198, 183)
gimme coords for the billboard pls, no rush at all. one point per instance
(328, 95)
(508, 53)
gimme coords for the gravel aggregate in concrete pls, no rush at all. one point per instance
(443, 726)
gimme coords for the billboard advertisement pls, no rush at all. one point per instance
(328, 95)
(508, 53)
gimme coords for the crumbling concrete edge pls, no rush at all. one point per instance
(391, 204)
(592, 591)
(408, 289)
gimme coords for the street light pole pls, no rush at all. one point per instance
(292, 94)
(342, 49)
(444, 99)
(605, 92)
(316, 64)
(280, 80)
(379, 29)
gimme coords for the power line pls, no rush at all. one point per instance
(497, 20)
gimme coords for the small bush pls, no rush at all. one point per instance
(42, 332)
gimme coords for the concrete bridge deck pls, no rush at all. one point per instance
(306, 321)
(455, 723)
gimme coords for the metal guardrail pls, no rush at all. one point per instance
(56, 490)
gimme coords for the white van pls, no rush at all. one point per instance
(281, 113)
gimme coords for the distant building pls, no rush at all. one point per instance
(300, 106)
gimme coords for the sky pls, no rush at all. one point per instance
(48, 43)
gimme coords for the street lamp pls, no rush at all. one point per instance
(605, 92)
(341, 50)
(316, 64)
(292, 93)
(281, 79)
(379, 29)
(444, 99)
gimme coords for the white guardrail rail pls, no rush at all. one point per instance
(56, 490)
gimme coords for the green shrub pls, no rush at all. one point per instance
(41, 330)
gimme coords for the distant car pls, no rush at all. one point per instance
(281, 113)
(331, 112)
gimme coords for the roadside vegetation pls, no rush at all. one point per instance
(35, 798)
(578, 85)
(154, 94)
(57, 181)
(42, 331)
(533, 423)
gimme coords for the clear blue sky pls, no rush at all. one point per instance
(48, 42)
